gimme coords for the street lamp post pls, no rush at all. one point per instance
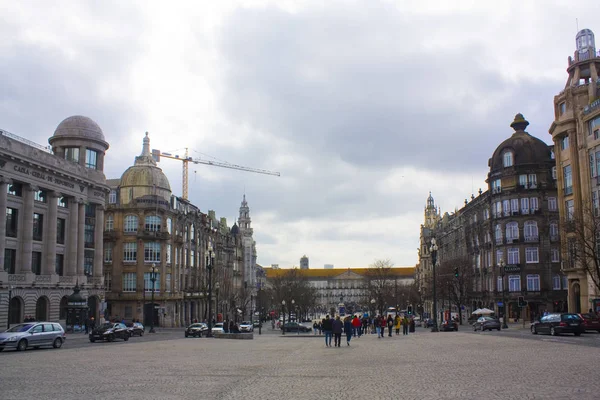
(10, 288)
(434, 250)
(217, 286)
(210, 259)
(153, 272)
(504, 307)
(283, 314)
(260, 313)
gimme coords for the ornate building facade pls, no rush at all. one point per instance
(576, 135)
(51, 236)
(508, 235)
(147, 226)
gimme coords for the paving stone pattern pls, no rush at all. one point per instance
(453, 365)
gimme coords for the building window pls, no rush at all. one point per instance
(12, 222)
(148, 282)
(533, 283)
(169, 225)
(36, 262)
(514, 206)
(88, 262)
(167, 282)
(564, 143)
(39, 195)
(129, 282)
(10, 260)
(112, 197)
(533, 203)
(60, 230)
(108, 281)
(523, 181)
(91, 158)
(108, 252)
(131, 224)
(38, 226)
(152, 223)
(532, 255)
(62, 202)
(109, 223)
(499, 284)
(16, 189)
(595, 203)
(565, 283)
(553, 231)
(130, 252)
(151, 252)
(506, 207)
(556, 282)
(552, 204)
(168, 255)
(594, 128)
(59, 264)
(486, 214)
(554, 255)
(562, 108)
(570, 209)
(508, 159)
(72, 154)
(568, 179)
(531, 231)
(525, 206)
(512, 231)
(514, 283)
(513, 255)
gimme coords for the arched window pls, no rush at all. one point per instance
(508, 159)
(512, 230)
(531, 231)
(152, 223)
(192, 232)
(131, 223)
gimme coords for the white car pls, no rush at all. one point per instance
(246, 326)
(218, 327)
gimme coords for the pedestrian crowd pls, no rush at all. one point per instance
(353, 326)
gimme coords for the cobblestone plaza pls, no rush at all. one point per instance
(454, 365)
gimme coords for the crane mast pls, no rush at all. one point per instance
(157, 154)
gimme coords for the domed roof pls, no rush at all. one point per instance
(79, 126)
(526, 149)
(144, 172)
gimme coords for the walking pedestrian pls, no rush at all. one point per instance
(315, 327)
(390, 325)
(337, 327)
(405, 325)
(327, 328)
(376, 323)
(356, 324)
(397, 324)
(348, 329)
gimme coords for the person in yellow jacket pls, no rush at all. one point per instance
(397, 324)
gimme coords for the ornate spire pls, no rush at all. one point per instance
(146, 157)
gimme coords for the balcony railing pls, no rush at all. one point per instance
(531, 239)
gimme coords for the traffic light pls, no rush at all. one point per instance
(409, 309)
(456, 272)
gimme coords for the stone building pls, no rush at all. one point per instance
(51, 237)
(147, 226)
(514, 223)
(576, 135)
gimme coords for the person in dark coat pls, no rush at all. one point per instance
(337, 329)
(348, 329)
(327, 325)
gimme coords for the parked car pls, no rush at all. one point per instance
(487, 323)
(196, 329)
(295, 327)
(33, 334)
(556, 324)
(449, 326)
(110, 332)
(135, 328)
(246, 326)
(218, 327)
(591, 322)
(256, 324)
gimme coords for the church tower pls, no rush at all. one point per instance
(248, 244)
(432, 215)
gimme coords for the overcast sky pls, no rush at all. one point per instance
(363, 106)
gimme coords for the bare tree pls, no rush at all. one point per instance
(456, 277)
(582, 246)
(380, 284)
(293, 285)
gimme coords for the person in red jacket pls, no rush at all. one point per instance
(356, 324)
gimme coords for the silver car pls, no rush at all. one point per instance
(33, 334)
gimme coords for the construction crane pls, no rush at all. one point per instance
(157, 154)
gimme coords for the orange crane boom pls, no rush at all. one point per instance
(157, 154)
